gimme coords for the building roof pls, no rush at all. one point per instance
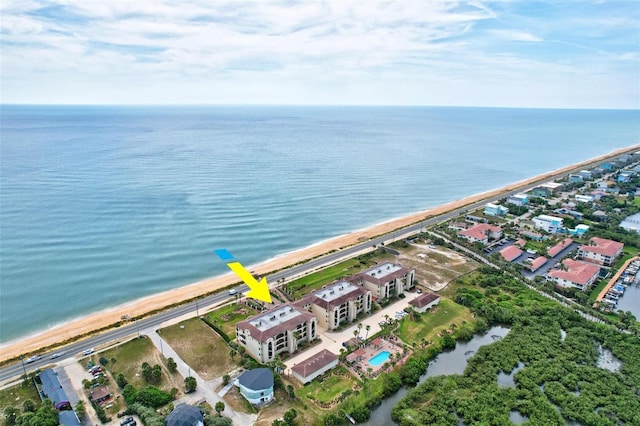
(257, 379)
(185, 415)
(382, 273)
(274, 321)
(548, 218)
(519, 195)
(511, 253)
(577, 272)
(336, 294)
(599, 213)
(479, 231)
(537, 263)
(602, 246)
(551, 185)
(555, 250)
(68, 418)
(52, 388)
(424, 299)
(521, 242)
(100, 393)
(314, 363)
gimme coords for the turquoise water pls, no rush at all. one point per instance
(380, 358)
(101, 205)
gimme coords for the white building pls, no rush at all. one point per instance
(385, 280)
(519, 199)
(550, 224)
(275, 331)
(491, 209)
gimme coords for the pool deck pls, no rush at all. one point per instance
(359, 360)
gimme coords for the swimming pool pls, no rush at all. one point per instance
(380, 358)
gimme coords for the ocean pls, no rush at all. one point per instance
(102, 205)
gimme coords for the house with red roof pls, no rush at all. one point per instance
(314, 366)
(481, 233)
(555, 250)
(424, 302)
(601, 251)
(537, 263)
(510, 253)
(574, 273)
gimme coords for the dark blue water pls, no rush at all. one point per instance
(100, 205)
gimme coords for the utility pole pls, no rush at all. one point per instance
(23, 367)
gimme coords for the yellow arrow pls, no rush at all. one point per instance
(259, 290)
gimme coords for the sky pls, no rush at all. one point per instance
(507, 53)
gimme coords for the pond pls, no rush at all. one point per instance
(451, 362)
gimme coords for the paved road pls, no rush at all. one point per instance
(13, 371)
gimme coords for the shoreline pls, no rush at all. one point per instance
(89, 324)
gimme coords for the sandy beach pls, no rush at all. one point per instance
(156, 302)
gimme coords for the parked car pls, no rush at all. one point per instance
(128, 422)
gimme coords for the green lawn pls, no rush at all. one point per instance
(316, 280)
(200, 347)
(15, 396)
(432, 322)
(226, 317)
(327, 390)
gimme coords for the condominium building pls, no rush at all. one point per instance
(481, 233)
(339, 303)
(278, 330)
(574, 273)
(601, 251)
(385, 280)
(550, 224)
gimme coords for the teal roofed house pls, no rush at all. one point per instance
(256, 385)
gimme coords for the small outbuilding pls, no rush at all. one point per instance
(185, 415)
(424, 302)
(256, 385)
(315, 366)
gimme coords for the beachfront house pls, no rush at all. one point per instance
(338, 303)
(586, 174)
(256, 385)
(519, 199)
(280, 329)
(550, 224)
(481, 233)
(575, 178)
(601, 251)
(385, 280)
(574, 273)
(491, 209)
(314, 366)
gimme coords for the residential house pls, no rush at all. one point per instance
(481, 233)
(625, 176)
(606, 166)
(574, 274)
(519, 199)
(550, 224)
(314, 366)
(601, 216)
(280, 329)
(583, 198)
(386, 279)
(510, 253)
(339, 303)
(100, 394)
(574, 178)
(491, 209)
(458, 226)
(424, 302)
(185, 415)
(579, 230)
(586, 174)
(557, 249)
(601, 251)
(256, 385)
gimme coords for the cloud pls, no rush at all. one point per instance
(213, 50)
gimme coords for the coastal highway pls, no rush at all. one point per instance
(15, 370)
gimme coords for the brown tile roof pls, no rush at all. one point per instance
(479, 231)
(377, 341)
(521, 242)
(290, 324)
(328, 304)
(577, 272)
(537, 263)
(555, 250)
(100, 393)
(314, 363)
(602, 246)
(363, 276)
(424, 299)
(511, 253)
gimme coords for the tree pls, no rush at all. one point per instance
(334, 420)
(289, 416)
(156, 374)
(80, 409)
(291, 392)
(219, 407)
(121, 381)
(28, 406)
(226, 379)
(10, 415)
(190, 384)
(233, 353)
(172, 366)
(367, 327)
(103, 361)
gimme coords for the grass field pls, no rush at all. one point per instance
(327, 390)
(304, 285)
(432, 322)
(226, 317)
(16, 395)
(200, 347)
(129, 359)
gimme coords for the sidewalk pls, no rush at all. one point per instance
(205, 388)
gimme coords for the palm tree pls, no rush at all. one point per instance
(355, 333)
(367, 327)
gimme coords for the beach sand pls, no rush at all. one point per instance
(157, 302)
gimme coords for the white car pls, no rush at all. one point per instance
(33, 359)
(56, 355)
(88, 351)
(232, 291)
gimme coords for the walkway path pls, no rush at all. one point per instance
(205, 388)
(615, 279)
